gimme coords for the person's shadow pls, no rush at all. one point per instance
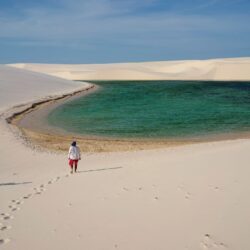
(97, 170)
(15, 183)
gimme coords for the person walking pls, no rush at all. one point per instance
(74, 156)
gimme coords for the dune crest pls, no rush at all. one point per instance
(214, 69)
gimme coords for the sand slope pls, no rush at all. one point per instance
(21, 86)
(216, 69)
(186, 198)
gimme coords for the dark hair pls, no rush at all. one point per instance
(73, 143)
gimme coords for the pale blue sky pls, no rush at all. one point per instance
(101, 31)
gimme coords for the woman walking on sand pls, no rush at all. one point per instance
(73, 156)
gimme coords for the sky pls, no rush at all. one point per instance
(106, 31)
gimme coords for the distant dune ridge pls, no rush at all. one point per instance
(215, 69)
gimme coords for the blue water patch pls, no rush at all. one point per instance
(157, 109)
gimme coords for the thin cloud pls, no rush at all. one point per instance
(106, 25)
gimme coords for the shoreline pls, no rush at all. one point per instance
(16, 115)
(34, 127)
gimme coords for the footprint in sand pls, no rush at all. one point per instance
(27, 196)
(187, 196)
(57, 178)
(14, 208)
(54, 180)
(209, 242)
(39, 190)
(5, 216)
(182, 189)
(3, 228)
(4, 241)
(42, 189)
(17, 202)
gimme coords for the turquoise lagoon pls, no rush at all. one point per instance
(157, 110)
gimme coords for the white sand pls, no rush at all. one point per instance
(19, 86)
(191, 197)
(216, 69)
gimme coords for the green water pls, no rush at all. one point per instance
(158, 109)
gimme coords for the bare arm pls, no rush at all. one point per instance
(69, 152)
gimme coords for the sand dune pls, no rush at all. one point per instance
(216, 69)
(193, 197)
(19, 86)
